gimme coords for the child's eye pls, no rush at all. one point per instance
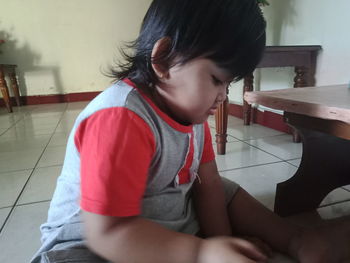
(216, 81)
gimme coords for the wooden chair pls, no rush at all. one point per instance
(11, 71)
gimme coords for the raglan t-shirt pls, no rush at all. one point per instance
(125, 157)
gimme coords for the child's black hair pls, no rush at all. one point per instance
(229, 32)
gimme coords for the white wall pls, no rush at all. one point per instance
(60, 46)
(306, 22)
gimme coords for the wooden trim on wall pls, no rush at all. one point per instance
(268, 119)
(54, 98)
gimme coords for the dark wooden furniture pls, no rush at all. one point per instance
(11, 71)
(321, 115)
(302, 58)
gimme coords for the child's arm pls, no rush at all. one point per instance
(210, 204)
(134, 239)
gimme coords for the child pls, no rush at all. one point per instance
(139, 181)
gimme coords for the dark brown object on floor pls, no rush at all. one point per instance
(321, 115)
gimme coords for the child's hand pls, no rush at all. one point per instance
(229, 250)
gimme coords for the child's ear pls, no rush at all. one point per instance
(160, 49)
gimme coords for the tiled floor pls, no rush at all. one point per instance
(32, 146)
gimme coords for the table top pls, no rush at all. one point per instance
(326, 102)
(308, 48)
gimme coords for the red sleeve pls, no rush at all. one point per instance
(116, 147)
(208, 151)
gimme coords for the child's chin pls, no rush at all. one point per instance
(200, 121)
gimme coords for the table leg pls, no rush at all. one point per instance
(221, 117)
(247, 108)
(300, 81)
(14, 85)
(324, 167)
(5, 91)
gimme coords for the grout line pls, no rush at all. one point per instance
(6, 207)
(30, 175)
(345, 189)
(33, 203)
(293, 159)
(258, 149)
(34, 168)
(264, 137)
(250, 166)
(14, 171)
(268, 152)
(334, 203)
(13, 124)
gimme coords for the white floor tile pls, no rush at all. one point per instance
(35, 191)
(25, 109)
(20, 237)
(2, 130)
(295, 162)
(334, 211)
(65, 126)
(39, 123)
(337, 195)
(5, 125)
(39, 114)
(251, 132)
(19, 160)
(260, 181)
(33, 128)
(54, 107)
(52, 156)
(228, 138)
(17, 144)
(3, 214)
(239, 154)
(281, 146)
(347, 187)
(70, 116)
(9, 119)
(21, 132)
(33, 125)
(79, 105)
(59, 139)
(232, 122)
(11, 184)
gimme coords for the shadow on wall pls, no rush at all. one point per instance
(27, 61)
(278, 14)
(281, 13)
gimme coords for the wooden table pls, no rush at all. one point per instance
(11, 71)
(302, 58)
(321, 115)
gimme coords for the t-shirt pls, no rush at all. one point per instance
(125, 157)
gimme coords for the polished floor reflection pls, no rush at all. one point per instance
(32, 147)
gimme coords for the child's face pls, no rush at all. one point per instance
(194, 91)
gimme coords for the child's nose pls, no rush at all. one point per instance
(222, 95)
